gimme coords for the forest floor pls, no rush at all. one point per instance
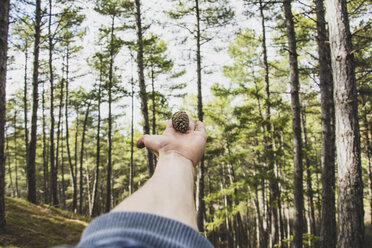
(30, 225)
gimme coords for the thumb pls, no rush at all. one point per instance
(152, 142)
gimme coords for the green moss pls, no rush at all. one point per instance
(30, 225)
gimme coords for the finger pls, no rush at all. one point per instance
(201, 128)
(140, 142)
(169, 124)
(169, 128)
(191, 124)
(152, 142)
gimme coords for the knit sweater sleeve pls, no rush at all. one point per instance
(134, 229)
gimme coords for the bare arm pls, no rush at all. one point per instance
(170, 191)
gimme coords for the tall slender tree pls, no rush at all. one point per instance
(82, 156)
(113, 9)
(328, 215)
(31, 150)
(142, 84)
(99, 64)
(53, 167)
(67, 100)
(45, 157)
(349, 182)
(4, 27)
(296, 126)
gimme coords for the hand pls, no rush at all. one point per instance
(189, 145)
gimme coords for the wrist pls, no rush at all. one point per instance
(173, 157)
(174, 166)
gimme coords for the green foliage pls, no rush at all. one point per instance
(240, 167)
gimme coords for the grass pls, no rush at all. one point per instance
(30, 225)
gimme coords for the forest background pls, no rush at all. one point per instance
(85, 79)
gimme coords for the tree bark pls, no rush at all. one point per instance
(45, 160)
(25, 90)
(98, 148)
(15, 154)
(51, 80)
(350, 185)
(4, 27)
(328, 215)
(73, 175)
(81, 159)
(296, 126)
(59, 133)
(63, 188)
(76, 147)
(109, 165)
(153, 102)
(200, 204)
(268, 136)
(369, 154)
(31, 150)
(142, 85)
(7, 158)
(310, 195)
(131, 168)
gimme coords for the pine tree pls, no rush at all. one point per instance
(31, 150)
(296, 126)
(4, 27)
(350, 185)
(141, 80)
(328, 220)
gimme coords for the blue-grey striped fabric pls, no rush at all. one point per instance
(140, 230)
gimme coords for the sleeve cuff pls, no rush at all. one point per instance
(148, 229)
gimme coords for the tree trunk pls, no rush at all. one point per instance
(350, 185)
(51, 79)
(268, 136)
(131, 171)
(45, 160)
(328, 215)
(63, 175)
(8, 158)
(81, 159)
(153, 101)
(142, 85)
(369, 154)
(15, 153)
(4, 27)
(98, 148)
(59, 132)
(73, 175)
(311, 212)
(31, 150)
(109, 165)
(76, 147)
(296, 127)
(25, 90)
(200, 204)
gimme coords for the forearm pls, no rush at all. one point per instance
(169, 192)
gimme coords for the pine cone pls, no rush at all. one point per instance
(180, 121)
